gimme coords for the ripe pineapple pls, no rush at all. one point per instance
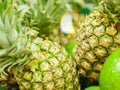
(49, 67)
(36, 64)
(98, 37)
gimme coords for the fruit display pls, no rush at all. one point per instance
(59, 44)
(110, 73)
(98, 37)
(35, 63)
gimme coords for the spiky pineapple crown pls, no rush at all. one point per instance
(45, 14)
(13, 37)
(110, 10)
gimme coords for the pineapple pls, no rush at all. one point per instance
(44, 15)
(25, 58)
(98, 37)
(49, 68)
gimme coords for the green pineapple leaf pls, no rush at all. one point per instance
(44, 15)
(12, 34)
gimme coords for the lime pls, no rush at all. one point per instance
(92, 88)
(1, 88)
(110, 73)
(70, 48)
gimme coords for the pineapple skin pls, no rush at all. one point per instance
(97, 39)
(49, 68)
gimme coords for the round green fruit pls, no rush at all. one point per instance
(110, 73)
(92, 88)
(1, 88)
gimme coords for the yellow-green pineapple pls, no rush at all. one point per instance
(49, 68)
(98, 37)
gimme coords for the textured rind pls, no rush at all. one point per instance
(97, 39)
(50, 68)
